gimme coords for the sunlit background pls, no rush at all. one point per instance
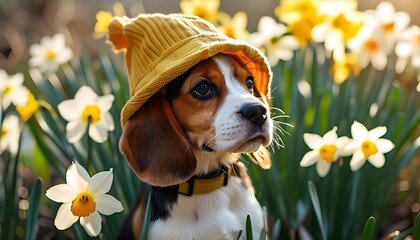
(25, 22)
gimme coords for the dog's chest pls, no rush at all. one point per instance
(217, 215)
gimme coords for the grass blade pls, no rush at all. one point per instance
(146, 218)
(369, 228)
(34, 202)
(248, 228)
(315, 202)
(416, 229)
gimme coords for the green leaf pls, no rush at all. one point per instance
(248, 228)
(33, 210)
(369, 228)
(416, 229)
(275, 233)
(315, 202)
(146, 219)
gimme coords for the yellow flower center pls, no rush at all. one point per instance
(389, 27)
(7, 89)
(418, 39)
(302, 31)
(371, 45)
(29, 109)
(83, 205)
(201, 11)
(92, 112)
(3, 132)
(347, 28)
(50, 54)
(369, 148)
(327, 152)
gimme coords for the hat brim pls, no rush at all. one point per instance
(188, 53)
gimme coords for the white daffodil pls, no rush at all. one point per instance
(83, 198)
(369, 45)
(10, 132)
(389, 22)
(325, 150)
(50, 53)
(12, 90)
(271, 38)
(408, 48)
(87, 105)
(367, 145)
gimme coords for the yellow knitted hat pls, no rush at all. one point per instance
(158, 48)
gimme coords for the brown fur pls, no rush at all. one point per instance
(155, 146)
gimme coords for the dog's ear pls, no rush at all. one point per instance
(261, 157)
(155, 146)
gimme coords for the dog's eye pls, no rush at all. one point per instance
(250, 83)
(203, 90)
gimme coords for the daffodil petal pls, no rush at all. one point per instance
(108, 121)
(65, 217)
(98, 132)
(384, 145)
(322, 168)
(377, 160)
(86, 94)
(313, 141)
(330, 136)
(100, 183)
(107, 204)
(351, 147)
(75, 130)
(357, 161)
(310, 158)
(62, 193)
(77, 177)
(341, 142)
(105, 102)
(70, 109)
(359, 131)
(92, 224)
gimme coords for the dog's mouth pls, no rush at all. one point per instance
(249, 145)
(206, 148)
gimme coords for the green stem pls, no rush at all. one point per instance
(89, 147)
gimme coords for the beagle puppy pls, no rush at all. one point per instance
(198, 125)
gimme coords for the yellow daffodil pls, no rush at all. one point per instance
(10, 132)
(50, 53)
(84, 198)
(103, 18)
(272, 40)
(87, 105)
(342, 22)
(205, 9)
(301, 16)
(325, 150)
(26, 111)
(344, 66)
(234, 27)
(367, 145)
(12, 89)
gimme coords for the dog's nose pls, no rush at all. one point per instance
(254, 112)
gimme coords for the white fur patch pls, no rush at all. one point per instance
(231, 128)
(220, 214)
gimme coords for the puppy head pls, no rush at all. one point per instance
(197, 120)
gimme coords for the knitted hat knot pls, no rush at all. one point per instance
(158, 48)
